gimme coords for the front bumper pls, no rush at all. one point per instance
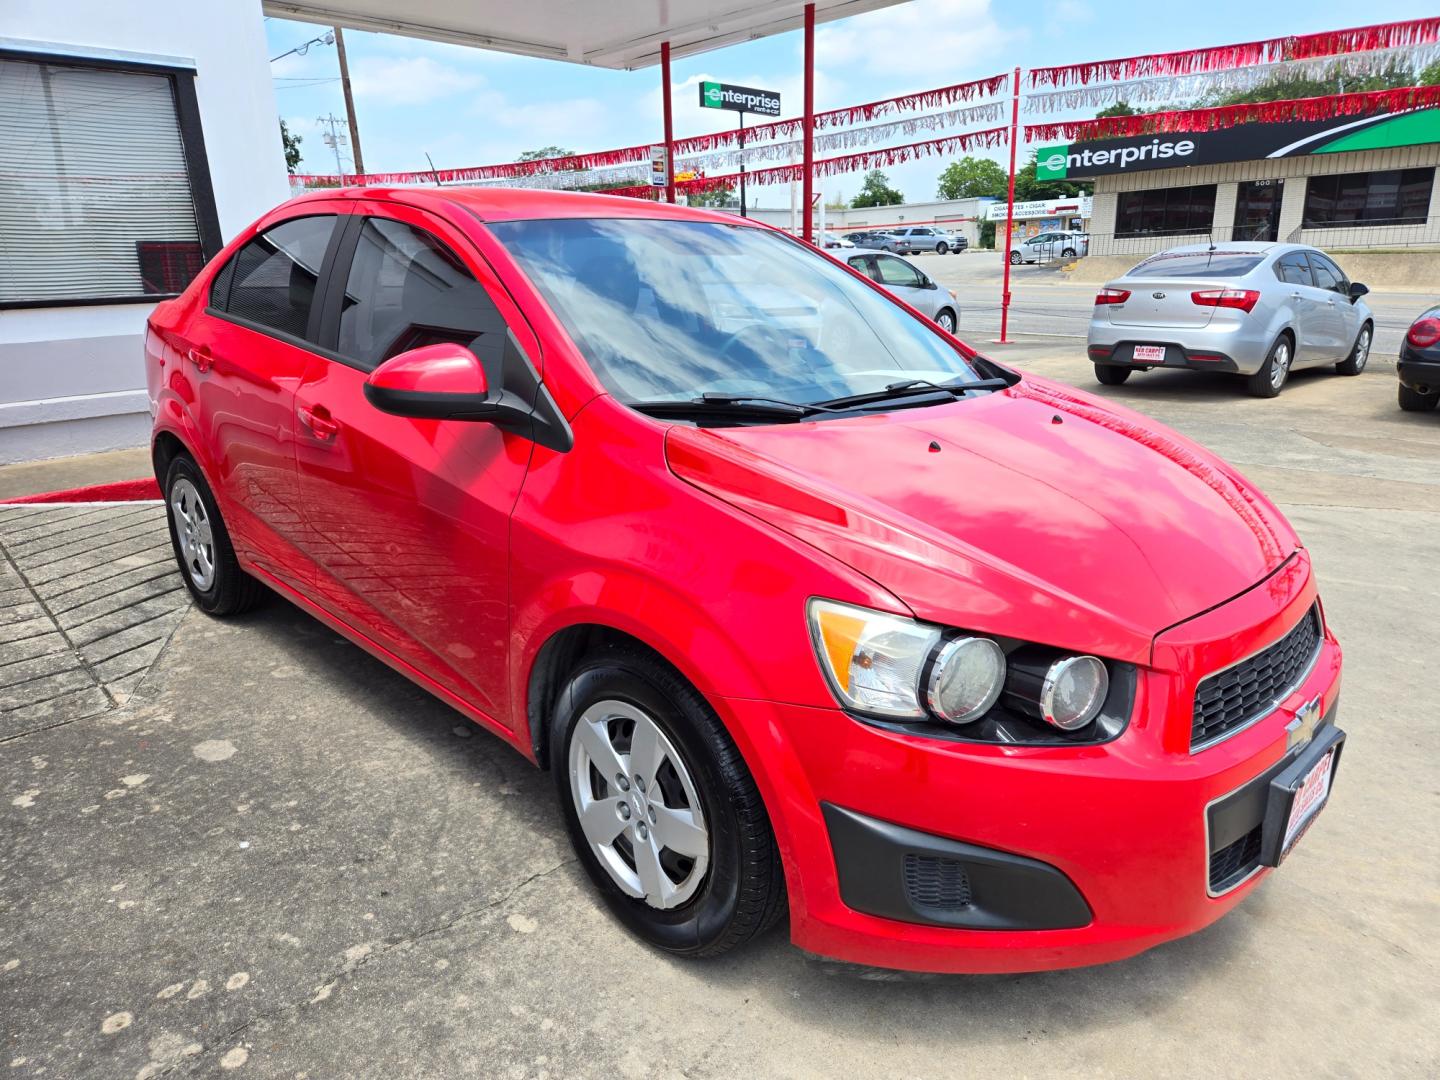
(1219, 346)
(1125, 824)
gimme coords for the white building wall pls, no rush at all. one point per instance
(71, 378)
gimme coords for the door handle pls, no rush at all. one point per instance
(319, 422)
(201, 359)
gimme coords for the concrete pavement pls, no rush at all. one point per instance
(275, 857)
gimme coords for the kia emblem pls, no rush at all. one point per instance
(1158, 295)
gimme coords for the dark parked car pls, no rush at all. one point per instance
(1419, 367)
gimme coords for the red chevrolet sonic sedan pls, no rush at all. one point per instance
(807, 606)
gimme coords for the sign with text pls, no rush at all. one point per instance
(658, 172)
(714, 95)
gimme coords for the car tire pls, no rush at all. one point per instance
(1014, 258)
(942, 248)
(1270, 379)
(1414, 401)
(948, 320)
(732, 895)
(202, 544)
(1355, 363)
(1068, 253)
(1111, 374)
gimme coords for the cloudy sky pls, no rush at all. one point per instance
(471, 107)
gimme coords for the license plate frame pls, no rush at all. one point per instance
(1148, 354)
(1292, 807)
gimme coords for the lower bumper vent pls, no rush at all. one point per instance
(1234, 861)
(936, 883)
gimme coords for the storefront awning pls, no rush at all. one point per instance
(612, 34)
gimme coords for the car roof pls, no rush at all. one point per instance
(517, 204)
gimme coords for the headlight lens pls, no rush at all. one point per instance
(965, 679)
(1073, 692)
(873, 660)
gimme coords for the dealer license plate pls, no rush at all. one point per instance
(1150, 354)
(1309, 798)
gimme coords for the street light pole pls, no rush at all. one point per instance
(349, 102)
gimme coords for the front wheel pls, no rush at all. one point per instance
(660, 807)
(1274, 371)
(1354, 364)
(947, 321)
(1414, 401)
(1014, 258)
(1110, 375)
(942, 248)
(202, 544)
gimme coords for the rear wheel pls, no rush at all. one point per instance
(947, 321)
(1069, 253)
(1268, 381)
(660, 807)
(1014, 258)
(1414, 401)
(1110, 375)
(942, 248)
(202, 544)
(1354, 364)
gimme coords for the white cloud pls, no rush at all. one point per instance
(935, 41)
(410, 80)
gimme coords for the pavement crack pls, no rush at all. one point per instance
(346, 970)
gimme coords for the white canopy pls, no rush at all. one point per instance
(603, 33)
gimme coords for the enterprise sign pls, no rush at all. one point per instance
(1245, 142)
(714, 95)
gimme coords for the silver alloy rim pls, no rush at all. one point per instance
(192, 529)
(1362, 350)
(637, 805)
(947, 322)
(1281, 365)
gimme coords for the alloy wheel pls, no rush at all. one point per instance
(1280, 364)
(194, 533)
(1362, 350)
(947, 322)
(637, 804)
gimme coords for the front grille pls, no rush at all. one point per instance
(932, 882)
(1233, 862)
(1230, 699)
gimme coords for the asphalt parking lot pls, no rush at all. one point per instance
(247, 848)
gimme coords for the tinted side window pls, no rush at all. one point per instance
(1294, 270)
(406, 290)
(271, 280)
(895, 272)
(1328, 275)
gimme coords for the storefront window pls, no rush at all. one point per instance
(1168, 211)
(1389, 197)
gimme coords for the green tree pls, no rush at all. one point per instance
(721, 195)
(292, 148)
(876, 191)
(545, 152)
(1120, 108)
(972, 177)
(1028, 188)
(1430, 76)
(1282, 89)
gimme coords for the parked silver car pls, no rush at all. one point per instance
(909, 283)
(1258, 310)
(1049, 246)
(926, 238)
(877, 240)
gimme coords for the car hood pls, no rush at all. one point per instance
(1037, 512)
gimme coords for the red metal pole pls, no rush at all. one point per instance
(669, 124)
(807, 124)
(1010, 211)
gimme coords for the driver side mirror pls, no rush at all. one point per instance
(448, 382)
(1357, 290)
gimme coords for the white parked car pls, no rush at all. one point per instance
(909, 283)
(1049, 246)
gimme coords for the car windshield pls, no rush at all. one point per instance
(667, 310)
(1191, 264)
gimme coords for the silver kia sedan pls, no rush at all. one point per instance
(1258, 310)
(909, 283)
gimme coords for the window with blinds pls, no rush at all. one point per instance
(95, 197)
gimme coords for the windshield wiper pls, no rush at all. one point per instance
(727, 407)
(907, 388)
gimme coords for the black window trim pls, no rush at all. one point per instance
(314, 328)
(1314, 258)
(197, 162)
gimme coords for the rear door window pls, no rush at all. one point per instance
(406, 289)
(270, 282)
(1294, 270)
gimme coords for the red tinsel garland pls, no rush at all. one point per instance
(1271, 50)
(836, 166)
(1226, 116)
(510, 170)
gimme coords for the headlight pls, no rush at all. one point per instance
(894, 668)
(873, 660)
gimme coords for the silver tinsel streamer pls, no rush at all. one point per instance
(1236, 80)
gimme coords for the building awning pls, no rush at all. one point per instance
(612, 34)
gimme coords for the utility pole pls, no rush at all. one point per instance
(349, 101)
(333, 139)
